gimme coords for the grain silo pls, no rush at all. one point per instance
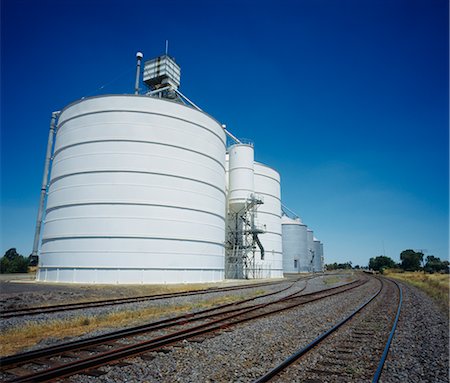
(295, 247)
(241, 183)
(253, 239)
(241, 230)
(267, 185)
(317, 258)
(141, 191)
(310, 243)
(137, 189)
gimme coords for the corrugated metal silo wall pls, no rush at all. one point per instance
(137, 194)
(267, 184)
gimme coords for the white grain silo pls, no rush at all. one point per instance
(136, 195)
(253, 244)
(241, 183)
(295, 247)
(267, 185)
(310, 242)
(317, 260)
(240, 225)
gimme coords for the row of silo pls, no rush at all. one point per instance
(302, 252)
(143, 189)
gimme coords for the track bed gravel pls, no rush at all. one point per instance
(420, 349)
(240, 355)
(419, 352)
(16, 294)
(352, 352)
(55, 297)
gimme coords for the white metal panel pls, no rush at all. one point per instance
(267, 185)
(137, 194)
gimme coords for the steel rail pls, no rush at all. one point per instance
(291, 359)
(379, 370)
(161, 341)
(157, 325)
(81, 305)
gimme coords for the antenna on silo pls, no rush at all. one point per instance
(139, 56)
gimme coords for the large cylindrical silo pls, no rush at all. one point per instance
(267, 185)
(137, 194)
(295, 247)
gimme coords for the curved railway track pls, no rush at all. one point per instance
(92, 353)
(342, 351)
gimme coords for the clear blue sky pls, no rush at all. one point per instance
(348, 99)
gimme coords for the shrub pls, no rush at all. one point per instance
(13, 262)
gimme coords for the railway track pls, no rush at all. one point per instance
(354, 349)
(88, 355)
(110, 302)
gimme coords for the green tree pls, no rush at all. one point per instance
(339, 266)
(434, 265)
(344, 266)
(411, 260)
(13, 262)
(381, 262)
(332, 266)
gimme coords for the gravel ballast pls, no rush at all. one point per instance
(243, 353)
(419, 351)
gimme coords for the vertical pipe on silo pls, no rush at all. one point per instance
(51, 137)
(139, 57)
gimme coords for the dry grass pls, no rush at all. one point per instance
(435, 285)
(333, 279)
(19, 338)
(92, 293)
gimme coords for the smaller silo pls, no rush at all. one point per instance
(268, 188)
(295, 247)
(241, 183)
(317, 259)
(310, 243)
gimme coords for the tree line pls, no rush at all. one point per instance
(410, 260)
(13, 262)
